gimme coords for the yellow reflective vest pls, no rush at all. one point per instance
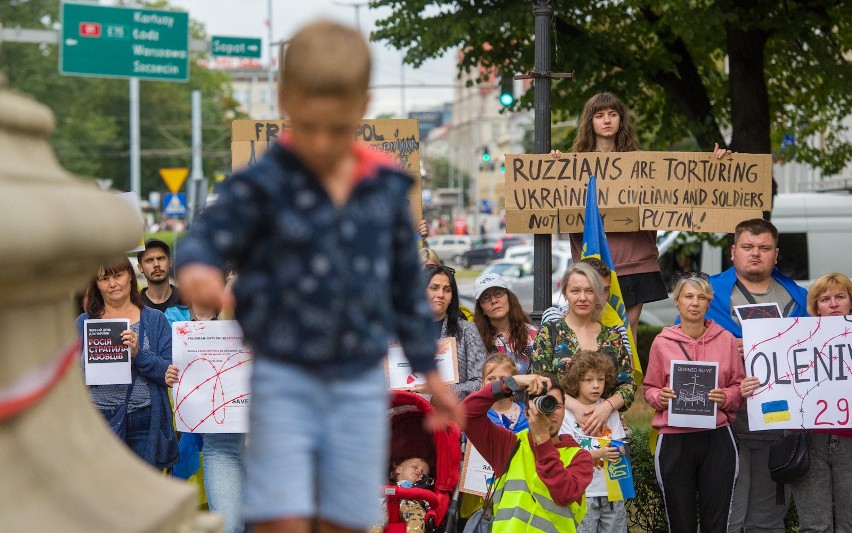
(522, 501)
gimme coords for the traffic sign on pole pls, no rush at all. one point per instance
(174, 177)
(124, 42)
(174, 205)
(235, 46)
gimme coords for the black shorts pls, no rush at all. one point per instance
(642, 288)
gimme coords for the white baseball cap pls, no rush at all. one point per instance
(485, 282)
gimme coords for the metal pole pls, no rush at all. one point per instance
(543, 11)
(271, 77)
(196, 191)
(135, 152)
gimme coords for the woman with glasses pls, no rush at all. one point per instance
(693, 463)
(149, 430)
(502, 323)
(580, 329)
(442, 294)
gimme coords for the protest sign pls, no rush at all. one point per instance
(398, 138)
(756, 311)
(803, 366)
(107, 358)
(637, 190)
(692, 382)
(476, 474)
(212, 392)
(399, 371)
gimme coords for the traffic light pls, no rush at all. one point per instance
(486, 155)
(502, 166)
(507, 91)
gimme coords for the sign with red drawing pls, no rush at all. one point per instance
(804, 369)
(399, 371)
(212, 392)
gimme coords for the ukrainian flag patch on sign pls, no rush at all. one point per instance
(775, 411)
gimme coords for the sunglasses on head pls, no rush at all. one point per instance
(439, 268)
(694, 275)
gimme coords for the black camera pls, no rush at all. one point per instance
(545, 404)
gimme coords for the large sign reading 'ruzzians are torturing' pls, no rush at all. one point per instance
(637, 190)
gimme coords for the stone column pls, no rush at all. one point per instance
(62, 468)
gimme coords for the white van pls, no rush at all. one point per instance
(814, 238)
(449, 246)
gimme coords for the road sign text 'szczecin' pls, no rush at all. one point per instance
(124, 42)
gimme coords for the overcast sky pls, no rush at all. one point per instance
(245, 18)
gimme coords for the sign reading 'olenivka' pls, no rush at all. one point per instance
(398, 138)
(637, 190)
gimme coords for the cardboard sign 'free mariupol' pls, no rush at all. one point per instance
(398, 138)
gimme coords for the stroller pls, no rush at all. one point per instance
(441, 450)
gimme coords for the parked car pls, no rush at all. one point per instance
(489, 248)
(519, 275)
(449, 246)
(524, 251)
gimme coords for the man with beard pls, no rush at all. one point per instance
(155, 263)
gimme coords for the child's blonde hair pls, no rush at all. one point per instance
(585, 361)
(496, 360)
(325, 58)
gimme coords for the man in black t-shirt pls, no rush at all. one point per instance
(155, 264)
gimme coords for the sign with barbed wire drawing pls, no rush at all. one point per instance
(212, 393)
(804, 370)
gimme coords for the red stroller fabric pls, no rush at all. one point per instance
(441, 449)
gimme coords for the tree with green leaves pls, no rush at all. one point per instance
(92, 117)
(762, 69)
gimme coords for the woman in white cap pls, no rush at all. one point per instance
(502, 322)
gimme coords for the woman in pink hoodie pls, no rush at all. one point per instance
(691, 460)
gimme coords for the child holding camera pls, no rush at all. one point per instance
(587, 376)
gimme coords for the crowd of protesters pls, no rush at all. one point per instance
(320, 232)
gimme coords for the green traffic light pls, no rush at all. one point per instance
(507, 99)
(486, 156)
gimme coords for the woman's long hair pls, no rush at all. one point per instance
(454, 314)
(625, 137)
(518, 320)
(95, 300)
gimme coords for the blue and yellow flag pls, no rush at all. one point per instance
(595, 245)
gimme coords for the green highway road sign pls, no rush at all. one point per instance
(124, 42)
(235, 46)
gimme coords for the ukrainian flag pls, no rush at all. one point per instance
(775, 411)
(595, 245)
(619, 476)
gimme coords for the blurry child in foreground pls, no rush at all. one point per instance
(320, 232)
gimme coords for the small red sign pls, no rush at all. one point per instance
(90, 29)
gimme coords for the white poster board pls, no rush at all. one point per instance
(692, 382)
(476, 474)
(212, 392)
(399, 371)
(106, 359)
(804, 367)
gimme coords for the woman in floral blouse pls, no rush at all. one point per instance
(558, 341)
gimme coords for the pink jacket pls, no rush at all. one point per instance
(716, 344)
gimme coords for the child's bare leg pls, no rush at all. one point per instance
(285, 525)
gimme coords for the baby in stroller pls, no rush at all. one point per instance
(413, 473)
